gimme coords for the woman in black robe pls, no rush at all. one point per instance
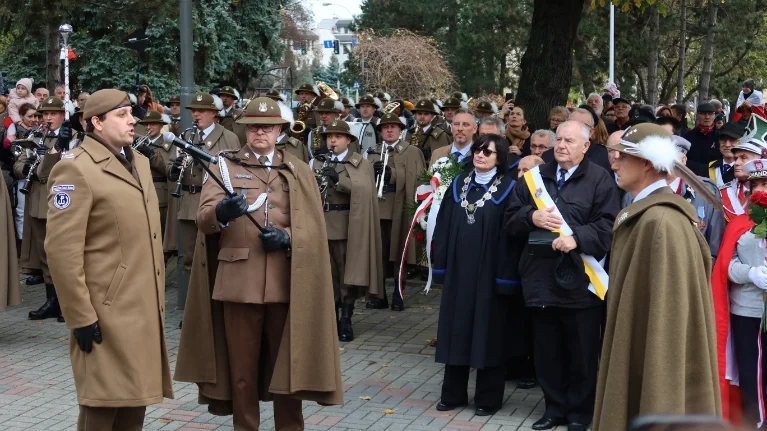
(469, 242)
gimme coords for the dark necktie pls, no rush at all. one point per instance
(262, 160)
(726, 169)
(561, 181)
(456, 155)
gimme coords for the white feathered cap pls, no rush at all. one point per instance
(650, 142)
(286, 113)
(133, 100)
(377, 102)
(219, 106)
(165, 118)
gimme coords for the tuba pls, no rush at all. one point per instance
(391, 107)
(327, 91)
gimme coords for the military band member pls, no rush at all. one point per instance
(347, 114)
(329, 111)
(285, 142)
(449, 108)
(175, 114)
(270, 325)
(212, 138)
(276, 96)
(105, 249)
(425, 136)
(160, 154)
(57, 136)
(400, 174)
(229, 97)
(308, 94)
(347, 180)
(485, 109)
(367, 106)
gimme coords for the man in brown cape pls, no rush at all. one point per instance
(259, 313)
(659, 351)
(10, 291)
(400, 178)
(351, 218)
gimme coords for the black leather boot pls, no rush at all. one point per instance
(396, 299)
(378, 303)
(50, 308)
(345, 332)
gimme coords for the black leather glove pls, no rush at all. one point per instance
(145, 150)
(65, 135)
(27, 166)
(175, 170)
(387, 175)
(86, 335)
(330, 174)
(321, 151)
(378, 167)
(273, 239)
(41, 151)
(230, 208)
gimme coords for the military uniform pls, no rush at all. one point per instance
(365, 130)
(161, 155)
(293, 146)
(218, 139)
(105, 250)
(36, 208)
(352, 222)
(405, 164)
(262, 283)
(312, 119)
(317, 140)
(429, 138)
(231, 114)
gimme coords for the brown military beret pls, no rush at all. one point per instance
(104, 101)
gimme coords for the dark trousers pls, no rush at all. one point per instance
(342, 292)
(745, 337)
(38, 227)
(566, 352)
(188, 234)
(490, 385)
(251, 329)
(388, 267)
(111, 418)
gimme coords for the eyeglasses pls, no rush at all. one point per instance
(485, 151)
(266, 128)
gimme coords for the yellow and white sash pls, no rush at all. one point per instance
(595, 272)
(715, 174)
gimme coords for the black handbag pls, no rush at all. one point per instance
(539, 244)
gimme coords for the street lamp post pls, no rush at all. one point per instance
(65, 30)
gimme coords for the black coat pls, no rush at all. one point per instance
(472, 316)
(704, 149)
(589, 202)
(597, 154)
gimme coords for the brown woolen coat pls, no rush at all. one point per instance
(10, 290)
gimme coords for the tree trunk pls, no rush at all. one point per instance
(652, 61)
(682, 40)
(547, 65)
(53, 65)
(708, 52)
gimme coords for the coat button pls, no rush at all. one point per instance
(271, 206)
(269, 190)
(271, 223)
(154, 235)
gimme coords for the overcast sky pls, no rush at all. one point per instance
(322, 12)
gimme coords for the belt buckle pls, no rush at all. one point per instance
(193, 189)
(326, 207)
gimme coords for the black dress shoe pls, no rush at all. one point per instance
(377, 304)
(481, 411)
(442, 407)
(397, 304)
(545, 423)
(60, 319)
(527, 383)
(575, 426)
(33, 280)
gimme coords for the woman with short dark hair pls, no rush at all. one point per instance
(469, 242)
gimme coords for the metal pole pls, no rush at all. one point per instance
(66, 81)
(612, 42)
(187, 89)
(362, 72)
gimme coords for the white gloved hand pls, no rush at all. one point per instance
(758, 276)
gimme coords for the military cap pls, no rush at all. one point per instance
(640, 115)
(262, 110)
(346, 102)
(390, 119)
(153, 117)
(425, 105)
(274, 95)
(203, 101)
(485, 107)
(329, 105)
(367, 99)
(756, 169)
(683, 144)
(452, 103)
(339, 127)
(104, 101)
(52, 104)
(732, 130)
(460, 96)
(309, 88)
(650, 142)
(175, 99)
(382, 96)
(227, 91)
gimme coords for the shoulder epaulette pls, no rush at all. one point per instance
(726, 185)
(72, 154)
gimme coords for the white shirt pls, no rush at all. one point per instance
(387, 145)
(269, 158)
(208, 131)
(226, 110)
(281, 137)
(464, 153)
(569, 172)
(675, 184)
(341, 156)
(426, 129)
(649, 189)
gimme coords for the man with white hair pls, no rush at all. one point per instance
(564, 212)
(596, 103)
(542, 140)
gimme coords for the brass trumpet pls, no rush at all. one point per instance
(140, 142)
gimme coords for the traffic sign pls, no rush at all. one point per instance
(354, 42)
(327, 43)
(356, 84)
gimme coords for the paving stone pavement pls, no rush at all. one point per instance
(391, 381)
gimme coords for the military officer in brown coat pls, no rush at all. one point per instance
(159, 154)
(212, 138)
(400, 176)
(268, 332)
(105, 253)
(231, 113)
(329, 111)
(351, 217)
(310, 95)
(424, 135)
(175, 114)
(40, 162)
